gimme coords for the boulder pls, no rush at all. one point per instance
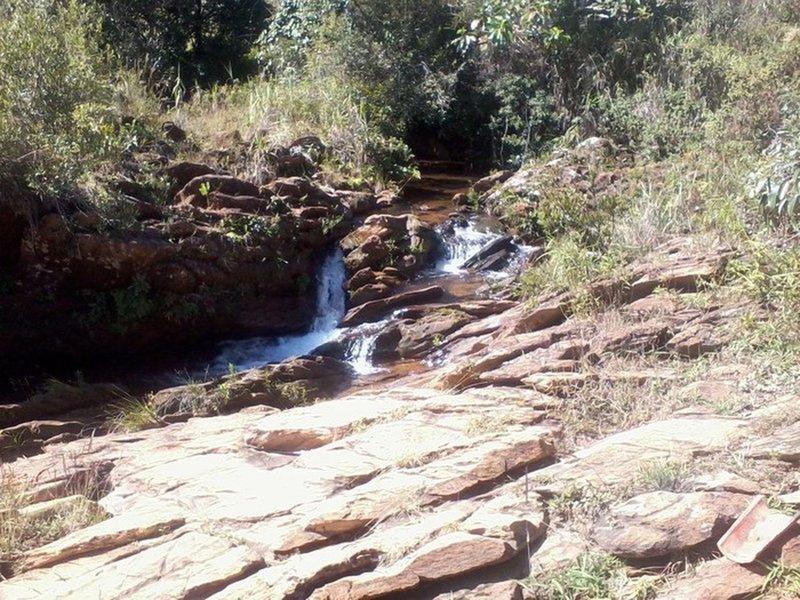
(493, 256)
(377, 309)
(196, 192)
(487, 183)
(662, 524)
(183, 172)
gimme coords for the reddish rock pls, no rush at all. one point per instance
(662, 524)
(196, 192)
(487, 183)
(377, 309)
(718, 579)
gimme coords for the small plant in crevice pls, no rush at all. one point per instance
(23, 527)
(591, 576)
(664, 474)
(132, 414)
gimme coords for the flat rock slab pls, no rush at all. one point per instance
(783, 444)
(183, 566)
(615, 459)
(718, 579)
(314, 426)
(661, 524)
(444, 558)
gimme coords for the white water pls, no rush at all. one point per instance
(465, 241)
(362, 340)
(255, 352)
(463, 244)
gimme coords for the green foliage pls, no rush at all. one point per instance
(775, 184)
(247, 229)
(663, 474)
(55, 91)
(569, 265)
(185, 42)
(121, 308)
(591, 576)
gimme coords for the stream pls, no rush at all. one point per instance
(457, 246)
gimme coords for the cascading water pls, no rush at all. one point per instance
(361, 346)
(462, 243)
(465, 241)
(331, 299)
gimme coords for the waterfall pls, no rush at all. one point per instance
(361, 341)
(331, 299)
(465, 241)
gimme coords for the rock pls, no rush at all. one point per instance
(493, 256)
(558, 550)
(402, 242)
(697, 340)
(59, 399)
(662, 524)
(487, 183)
(359, 202)
(782, 444)
(370, 254)
(505, 590)
(724, 481)
(196, 192)
(107, 535)
(173, 132)
(315, 426)
(449, 556)
(611, 460)
(293, 187)
(286, 384)
(375, 310)
(184, 172)
(718, 579)
(35, 433)
(246, 204)
(419, 337)
(685, 273)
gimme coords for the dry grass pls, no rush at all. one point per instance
(25, 526)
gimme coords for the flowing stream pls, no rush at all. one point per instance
(465, 240)
(331, 299)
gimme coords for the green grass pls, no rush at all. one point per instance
(20, 532)
(134, 414)
(592, 576)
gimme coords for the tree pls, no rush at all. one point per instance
(195, 42)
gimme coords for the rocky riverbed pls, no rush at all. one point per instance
(460, 482)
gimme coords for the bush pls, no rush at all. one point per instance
(60, 96)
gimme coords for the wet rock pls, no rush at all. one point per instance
(493, 256)
(377, 309)
(662, 524)
(419, 337)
